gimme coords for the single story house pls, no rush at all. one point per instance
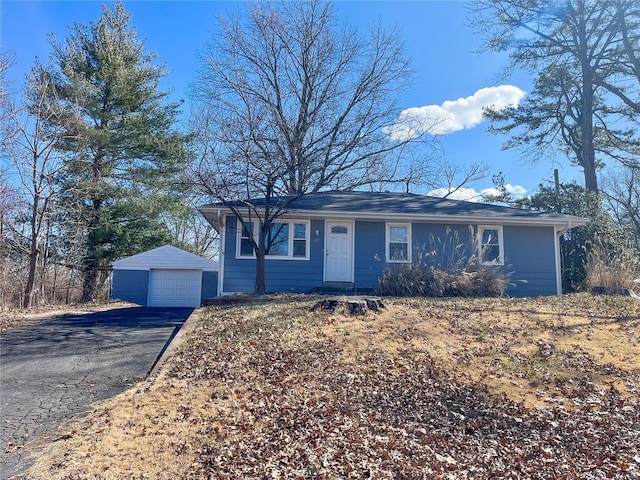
(349, 238)
(165, 277)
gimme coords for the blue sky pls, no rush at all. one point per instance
(452, 80)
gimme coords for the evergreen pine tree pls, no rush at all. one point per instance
(123, 151)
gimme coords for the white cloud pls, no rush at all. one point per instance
(472, 195)
(468, 194)
(517, 191)
(454, 115)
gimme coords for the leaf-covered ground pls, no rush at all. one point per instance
(500, 388)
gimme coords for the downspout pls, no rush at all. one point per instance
(558, 233)
(223, 231)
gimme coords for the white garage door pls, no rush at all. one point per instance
(174, 288)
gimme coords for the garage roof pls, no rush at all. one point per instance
(168, 257)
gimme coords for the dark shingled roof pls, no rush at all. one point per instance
(388, 204)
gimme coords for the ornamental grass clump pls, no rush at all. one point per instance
(611, 269)
(450, 268)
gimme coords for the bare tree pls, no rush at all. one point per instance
(452, 178)
(7, 60)
(12, 248)
(32, 146)
(622, 194)
(292, 102)
(189, 228)
(10, 198)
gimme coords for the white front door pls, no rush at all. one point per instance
(338, 252)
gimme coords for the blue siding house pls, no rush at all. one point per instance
(347, 239)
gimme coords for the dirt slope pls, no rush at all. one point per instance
(499, 388)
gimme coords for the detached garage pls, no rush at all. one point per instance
(165, 277)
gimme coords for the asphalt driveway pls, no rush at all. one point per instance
(54, 370)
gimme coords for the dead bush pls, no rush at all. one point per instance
(450, 268)
(611, 269)
(411, 280)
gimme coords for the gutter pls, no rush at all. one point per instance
(569, 226)
(430, 218)
(221, 252)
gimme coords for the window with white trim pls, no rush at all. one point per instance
(398, 242)
(277, 243)
(244, 246)
(490, 245)
(285, 240)
(300, 240)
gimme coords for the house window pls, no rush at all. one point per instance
(300, 239)
(285, 240)
(245, 246)
(278, 240)
(490, 245)
(398, 242)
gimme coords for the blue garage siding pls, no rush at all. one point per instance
(130, 286)
(529, 253)
(133, 285)
(282, 275)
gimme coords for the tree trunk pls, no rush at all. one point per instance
(587, 117)
(90, 278)
(590, 177)
(588, 152)
(350, 305)
(90, 264)
(260, 285)
(31, 279)
(33, 256)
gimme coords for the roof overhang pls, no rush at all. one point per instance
(215, 216)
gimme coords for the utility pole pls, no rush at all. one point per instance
(556, 178)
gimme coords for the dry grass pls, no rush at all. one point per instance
(425, 389)
(531, 350)
(611, 269)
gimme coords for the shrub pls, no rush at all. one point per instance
(611, 269)
(449, 269)
(413, 280)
